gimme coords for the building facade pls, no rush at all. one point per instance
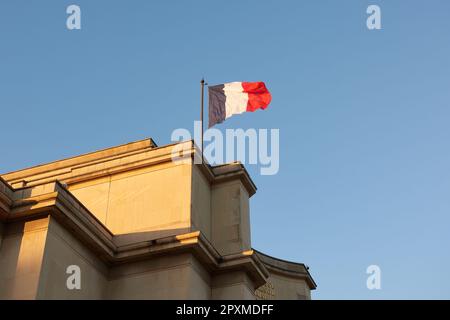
(129, 222)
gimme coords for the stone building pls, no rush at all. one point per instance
(128, 222)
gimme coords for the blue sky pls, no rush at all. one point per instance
(363, 116)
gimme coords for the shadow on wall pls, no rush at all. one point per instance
(21, 254)
(146, 236)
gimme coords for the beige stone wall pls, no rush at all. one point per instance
(169, 277)
(230, 218)
(21, 257)
(232, 285)
(94, 195)
(45, 249)
(155, 199)
(61, 251)
(199, 286)
(1, 234)
(201, 203)
(280, 287)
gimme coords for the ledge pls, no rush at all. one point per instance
(6, 196)
(58, 166)
(54, 200)
(287, 268)
(132, 156)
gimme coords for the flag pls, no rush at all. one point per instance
(234, 98)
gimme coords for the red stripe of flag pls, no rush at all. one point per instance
(258, 95)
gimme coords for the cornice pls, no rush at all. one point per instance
(6, 195)
(140, 155)
(58, 166)
(57, 202)
(287, 268)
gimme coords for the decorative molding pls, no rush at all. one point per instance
(287, 268)
(140, 154)
(58, 203)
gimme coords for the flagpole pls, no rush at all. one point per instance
(202, 85)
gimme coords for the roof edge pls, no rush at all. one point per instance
(82, 158)
(287, 268)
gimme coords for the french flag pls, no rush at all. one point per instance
(234, 98)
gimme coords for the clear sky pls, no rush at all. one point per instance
(363, 116)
